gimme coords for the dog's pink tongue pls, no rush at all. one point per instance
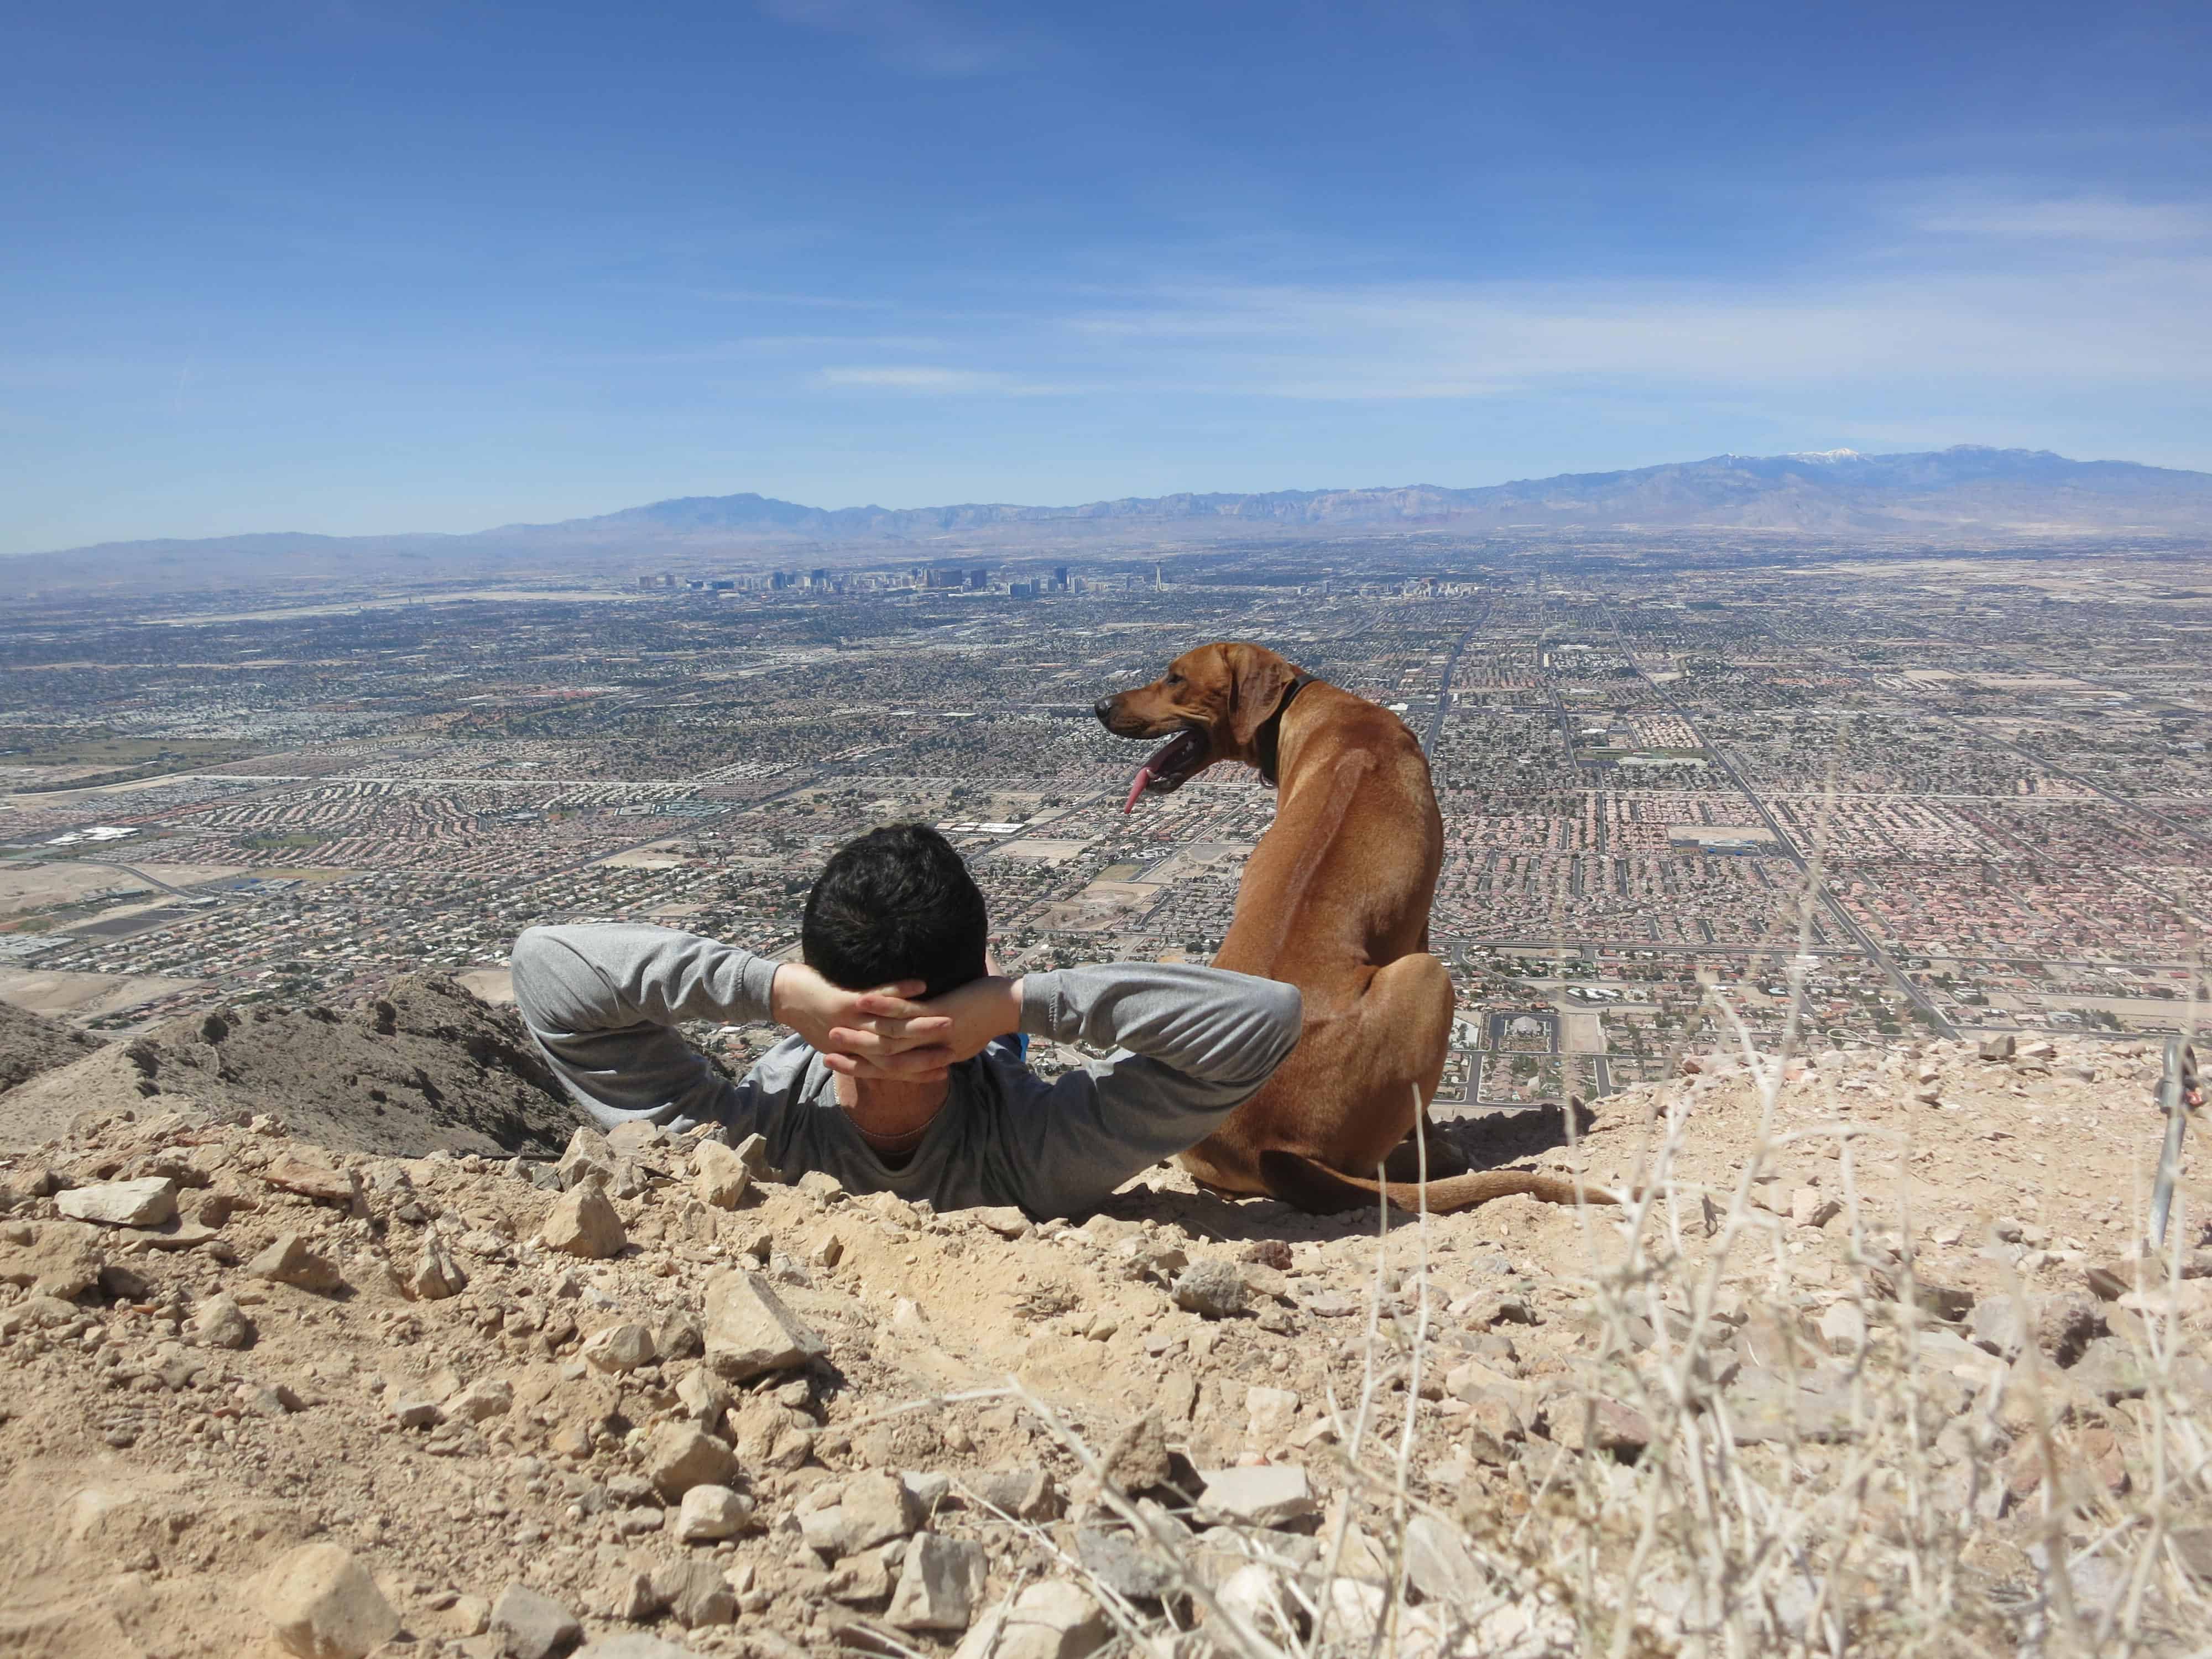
(1137, 788)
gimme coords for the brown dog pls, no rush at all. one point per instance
(1334, 901)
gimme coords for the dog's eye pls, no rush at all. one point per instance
(1175, 679)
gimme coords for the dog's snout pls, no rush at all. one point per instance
(1104, 709)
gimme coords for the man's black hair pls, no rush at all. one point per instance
(897, 904)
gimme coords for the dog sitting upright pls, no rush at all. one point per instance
(1335, 901)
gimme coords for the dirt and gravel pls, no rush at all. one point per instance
(1871, 1369)
(421, 1066)
(30, 1043)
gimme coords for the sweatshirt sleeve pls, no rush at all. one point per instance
(601, 1002)
(1192, 1044)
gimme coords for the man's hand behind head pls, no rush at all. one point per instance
(881, 1033)
(884, 1034)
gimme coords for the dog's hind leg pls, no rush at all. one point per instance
(1406, 1021)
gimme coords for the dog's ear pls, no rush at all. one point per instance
(1257, 679)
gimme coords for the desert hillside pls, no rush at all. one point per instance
(1870, 1366)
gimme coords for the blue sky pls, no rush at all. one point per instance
(350, 266)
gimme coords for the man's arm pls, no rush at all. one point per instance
(602, 1001)
(1195, 1044)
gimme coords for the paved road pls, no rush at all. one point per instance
(1443, 690)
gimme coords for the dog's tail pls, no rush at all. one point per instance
(1320, 1190)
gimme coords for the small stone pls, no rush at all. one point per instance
(583, 1223)
(1999, 1326)
(1121, 1561)
(752, 1152)
(1843, 1327)
(467, 1615)
(1268, 1495)
(220, 1322)
(860, 1579)
(1138, 1460)
(150, 1202)
(1810, 1208)
(1212, 1288)
(1999, 1047)
(2110, 1370)
(680, 1455)
(619, 1349)
(1270, 1415)
(635, 1645)
(289, 1261)
(695, 1592)
(1025, 1494)
(125, 1284)
(1002, 1220)
(311, 1178)
(822, 1187)
(485, 1397)
(719, 1178)
(702, 1398)
(588, 1159)
(1440, 1565)
(637, 1135)
(437, 1274)
(939, 1581)
(749, 1332)
(533, 1626)
(876, 1509)
(1269, 1253)
(711, 1513)
(412, 1409)
(322, 1604)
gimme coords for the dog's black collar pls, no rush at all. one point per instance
(1267, 739)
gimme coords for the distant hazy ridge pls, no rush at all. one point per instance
(1938, 495)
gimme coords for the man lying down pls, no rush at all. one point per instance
(904, 1071)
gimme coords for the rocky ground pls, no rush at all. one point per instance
(421, 1067)
(30, 1043)
(1870, 1367)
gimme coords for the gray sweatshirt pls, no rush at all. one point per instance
(1191, 1045)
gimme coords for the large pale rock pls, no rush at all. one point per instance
(533, 1626)
(322, 1604)
(487, 1397)
(681, 1455)
(619, 1349)
(711, 1513)
(751, 1332)
(939, 1580)
(288, 1261)
(872, 1510)
(149, 1202)
(582, 1222)
(695, 1592)
(1440, 1565)
(633, 1646)
(220, 1322)
(1051, 1619)
(719, 1178)
(1271, 1495)
(311, 1178)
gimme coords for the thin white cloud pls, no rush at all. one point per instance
(2095, 221)
(909, 35)
(924, 377)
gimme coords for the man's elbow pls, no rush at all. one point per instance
(539, 967)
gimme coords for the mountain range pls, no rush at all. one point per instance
(1969, 491)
